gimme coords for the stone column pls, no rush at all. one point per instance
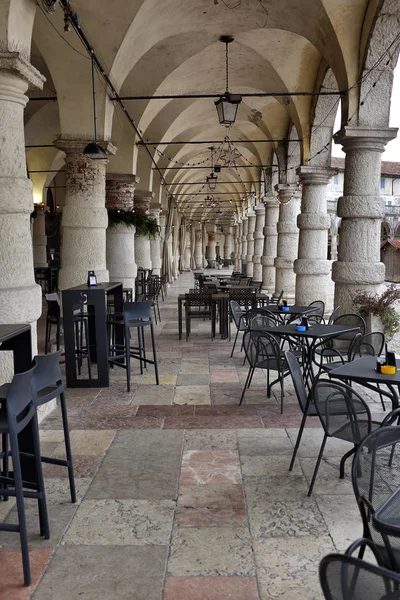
(288, 239)
(187, 256)
(39, 238)
(84, 221)
(240, 245)
(163, 222)
(270, 243)
(198, 251)
(20, 296)
(334, 237)
(120, 239)
(245, 231)
(211, 254)
(258, 242)
(250, 241)
(142, 201)
(155, 243)
(362, 210)
(228, 243)
(312, 266)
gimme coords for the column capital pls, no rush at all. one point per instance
(270, 201)
(20, 66)
(259, 209)
(72, 145)
(315, 175)
(120, 190)
(287, 192)
(365, 138)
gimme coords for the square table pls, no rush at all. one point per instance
(95, 299)
(363, 371)
(294, 311)
(387, 518)
(315, 332)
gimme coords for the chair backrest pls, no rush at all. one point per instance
(333, 315)
(134, 311)
(262, 350)
(20, 400)
(297, 378)
(53, 305)
(368, 344)
(340, 408)
(319, 308)
(236, 312)
(201, 298)
(343, 342)
(259, 318)
(278, 299)
(375, 478)
(47, 372)
(245, 298)
(345, 577)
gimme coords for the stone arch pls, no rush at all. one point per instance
(386, 231)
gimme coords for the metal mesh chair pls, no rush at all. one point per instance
(368, 344)
(197, 306)
(276, 300)
(376, 484)
(343, 414)
(239, 317)
(345, 577)
(263, 352)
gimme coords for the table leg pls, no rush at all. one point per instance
(180, 317)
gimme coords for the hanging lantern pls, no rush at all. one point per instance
(227, 105)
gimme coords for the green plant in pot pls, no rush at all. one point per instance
(144, 223)
(382, 306)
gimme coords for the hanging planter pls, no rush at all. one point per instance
(381, 306)
(145, 224)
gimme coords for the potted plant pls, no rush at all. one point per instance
(381, 306)
(144, 223)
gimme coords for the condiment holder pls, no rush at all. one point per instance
(301, 328)
(388, 369)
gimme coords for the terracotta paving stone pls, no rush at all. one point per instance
(226, 411)
(251, 422)
(205, 467)
(210, 588)
(208, 517)
(120, 420)
(211, 496)
(165, 410)
(11, 574)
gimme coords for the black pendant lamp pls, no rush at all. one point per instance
(93, 150)
(227, 105)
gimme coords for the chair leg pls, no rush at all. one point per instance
(68, 451)
(154, 354)
(19, 496)
(245, 385)
(89, 362)
(317, 465)
(343, 460)
(43, 515)
(58, 333)
(234, 343)
(128, 358)
(298, 440)
(251, 378)
(381, 397)
(46, 341)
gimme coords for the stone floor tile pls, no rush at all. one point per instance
(224, 376)
(87, 442)
(342, 518)
(84, 466)
(104, 573)
(164, 379)
(164, 410)
(210, 551)
(222, 394)
(211, 496)
(210, 588)
(288, 568)
(208, 467)
(328, 481)
(11, 574)
(188, 379)
(153, 394)
(140, 465)
(191, 397)
(121, 523)
(52, 436)
(225, 411)
(210, 440)
(192, 367)
(259, 466)
(209, 517)
(289, 518)
(6, 507)
(286, 485)
(58, 492)
(209, 422)
(265, 442)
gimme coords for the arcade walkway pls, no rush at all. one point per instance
(182, 494)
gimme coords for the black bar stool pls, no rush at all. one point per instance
(18, 412)
(47, 384)
(136, 315)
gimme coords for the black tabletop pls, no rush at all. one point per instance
(364, 369)
(295, 309)
(387, 517)
(9, 331)
(105, 286)
(316, 330)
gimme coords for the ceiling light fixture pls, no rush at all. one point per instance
(212, 179)
(227, 105)
(93, 150)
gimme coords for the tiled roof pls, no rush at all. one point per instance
(388, 168)
(392, 242)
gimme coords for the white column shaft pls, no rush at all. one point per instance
(198, 251)
(155, 245)
(288, 240)
(270, 244)
(245, 231)
(228, 246)
(258, 242)
(250, 244)
(39, 239)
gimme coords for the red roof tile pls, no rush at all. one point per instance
(392, 242)
(388, 168)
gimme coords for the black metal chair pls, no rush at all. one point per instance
(277, 299)
(198, 305)
(345, 577)
(137, 315)
(18, 413)
(263, 352)
(343, 414)
(376, 482)
(239, 318)
(333, 315)
(151, 293)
